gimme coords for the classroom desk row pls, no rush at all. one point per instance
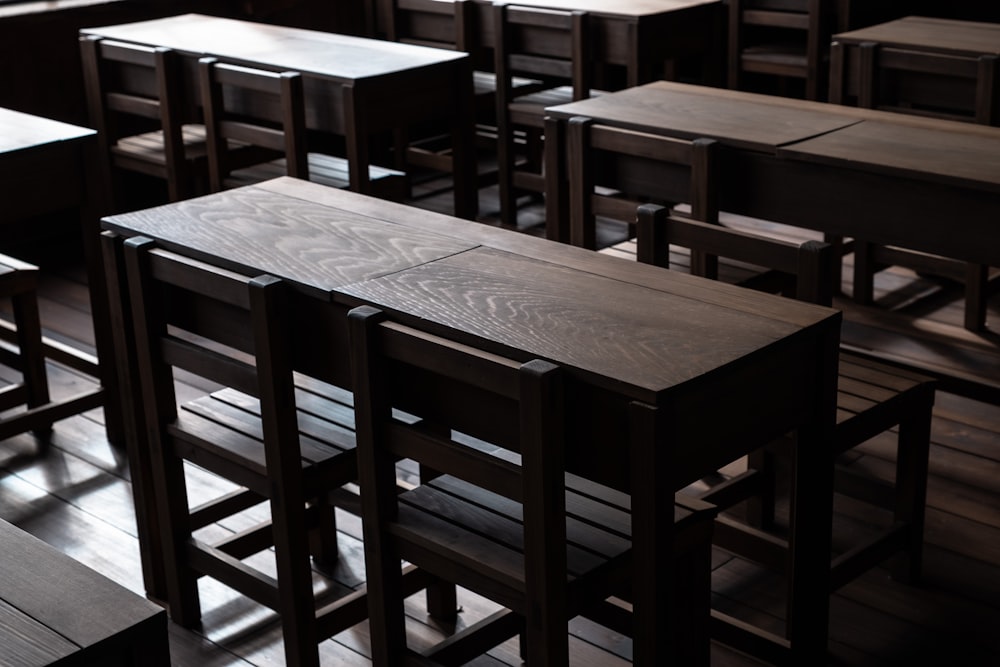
(622, 331)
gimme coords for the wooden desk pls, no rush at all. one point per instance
(639, 35)
(920, 65)
(624, 331)
(56, 610)
(355, 87)
(920, 183)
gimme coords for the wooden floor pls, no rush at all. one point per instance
(78, 499)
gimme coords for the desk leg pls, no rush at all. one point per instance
(556, 195)
(812, 517)
(652, 535)
(463, 142)
(356, 139)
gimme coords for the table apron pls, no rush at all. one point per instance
(943, 219)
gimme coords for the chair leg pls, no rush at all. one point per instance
(32, 352)
(324, 545)
(440, 595)
(172, 506)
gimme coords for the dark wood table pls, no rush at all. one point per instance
(55, 610)
(940, 66)
(732, 369)
(355, 87)
(925, 184)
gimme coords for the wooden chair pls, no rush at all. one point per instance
(553, 47)
(443, 25)
(502, 518)
(611, 171)
(872, 398)
(787, 39)
(937, 85)
(275, 437)
(270, 114)
(24, 349)
(137, 102)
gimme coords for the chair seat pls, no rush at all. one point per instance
(326, 426)
(148, 147)
(327, 170)
(482, 532)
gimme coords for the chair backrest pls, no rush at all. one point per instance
(207, 321)
(492, 421)
(548, 45)
(803, 271)
(255, 107)
(939, 85)
(221, 329)
(805, 23)
(132, 89)
(442, 25)
(612, 170)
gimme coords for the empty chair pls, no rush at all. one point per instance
(449, 25)
(786, 40)
(269, 436)
(923, 83)
(872, 398)
(138, 104)
(267, 110)
(611, 171)
(938, 85)
(553, 47)
(502, 518)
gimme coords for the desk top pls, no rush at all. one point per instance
(634, 328)
(931, 34)
(322, 54)
(744, 120)
(930, 149)
(22, 131)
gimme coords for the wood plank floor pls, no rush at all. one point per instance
(78, 498)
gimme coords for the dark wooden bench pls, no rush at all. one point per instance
(57, 611)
